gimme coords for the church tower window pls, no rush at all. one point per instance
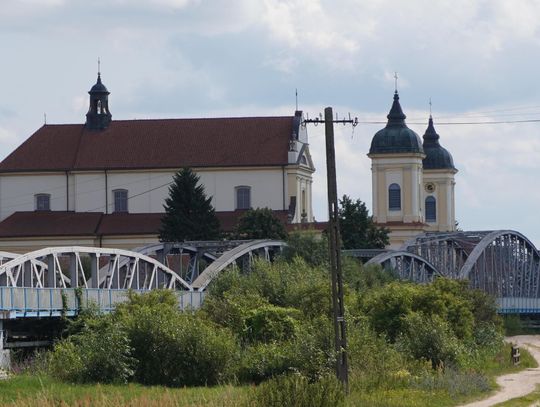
(431, 209)
(394, 197)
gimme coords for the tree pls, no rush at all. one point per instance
(260, 223)
(189, 213)
(357, 228)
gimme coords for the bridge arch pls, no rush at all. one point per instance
(506, 264)
(121, 269)
(245, 252)
(408, 266)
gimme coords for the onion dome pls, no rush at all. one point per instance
(396, 137)
(437, 157)
(99, 87)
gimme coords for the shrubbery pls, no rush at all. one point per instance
(277, 320)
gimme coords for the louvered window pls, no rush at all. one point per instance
(394, 197)
(120, 200)
(43, 202)
(431, 209)
(243, 197)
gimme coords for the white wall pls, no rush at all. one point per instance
(17, 192)
(147, 190)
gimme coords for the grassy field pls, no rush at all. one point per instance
(440, 390)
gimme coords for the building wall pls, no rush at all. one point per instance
(17, 191)
(406, 171)
(92, 191)
(444, 183)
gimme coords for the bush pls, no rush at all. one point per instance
(429, 338)
(309, 354)
(271, 323)
(310, 246)
(297, 391)
(177, 349)
(101, 353)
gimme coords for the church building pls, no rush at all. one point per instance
(412, 181)
(103, 183)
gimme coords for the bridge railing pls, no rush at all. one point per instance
(17, 302)
(518, 305)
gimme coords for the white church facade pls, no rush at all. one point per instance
(103, 183)
(412, 180)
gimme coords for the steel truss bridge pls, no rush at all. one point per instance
(504, 263)
(60, 280)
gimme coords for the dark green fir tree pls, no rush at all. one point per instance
(189, 214)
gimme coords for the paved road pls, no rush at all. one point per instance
(516, 384)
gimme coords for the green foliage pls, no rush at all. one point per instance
(260, 223)
(310, 246)
(297, 391)
(271, 323)
(174, 348)
(99, 353)
(357, 228)
(189, 214)
(364, 278)
(307, 354)
(512, 324)
(430, 338)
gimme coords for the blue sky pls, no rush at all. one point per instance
(477, 60)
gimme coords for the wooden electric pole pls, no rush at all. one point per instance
(338, 306)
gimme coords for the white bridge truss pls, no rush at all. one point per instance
(163, 265)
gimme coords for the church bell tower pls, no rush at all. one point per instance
(98, 116)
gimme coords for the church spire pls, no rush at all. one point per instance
(98, 116)
(396, 116)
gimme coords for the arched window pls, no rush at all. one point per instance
(431, 209)
(120, 200)
(394, 197)
(43, 202)
(243, 197)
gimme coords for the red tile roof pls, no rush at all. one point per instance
(49, 223)
(144, 144)
(61, 223)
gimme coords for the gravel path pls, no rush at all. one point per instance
(516, 384)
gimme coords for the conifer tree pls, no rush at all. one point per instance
(189, 214)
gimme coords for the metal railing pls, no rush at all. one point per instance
(17, 302)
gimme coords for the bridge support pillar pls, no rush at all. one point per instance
(94, 270)
(5, 354)
(51, 271)
(73, 275)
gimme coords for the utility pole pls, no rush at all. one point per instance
(338, 306)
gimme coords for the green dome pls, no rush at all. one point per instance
(396, 137)
(437, 157)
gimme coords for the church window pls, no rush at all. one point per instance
(243, 197)
(43, 202)
(394, 197)
(120, 200)
(431, 209)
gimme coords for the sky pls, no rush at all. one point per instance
(478, 61)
